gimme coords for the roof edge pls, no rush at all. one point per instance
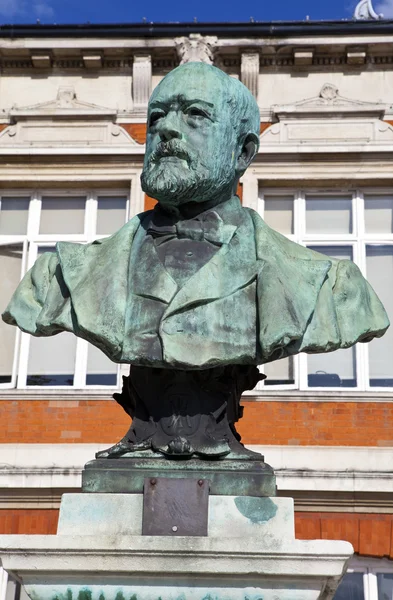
(247, 29)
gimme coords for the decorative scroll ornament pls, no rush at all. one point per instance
(365, 11)
(196, 48)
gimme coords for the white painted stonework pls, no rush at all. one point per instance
(250, 551)
(298, 468)
(327, 122)
(64, 121)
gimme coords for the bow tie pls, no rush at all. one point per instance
(209, 227)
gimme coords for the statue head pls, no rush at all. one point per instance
(202, 134)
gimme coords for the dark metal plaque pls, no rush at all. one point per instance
(173, 506)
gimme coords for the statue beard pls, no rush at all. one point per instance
(183, 177)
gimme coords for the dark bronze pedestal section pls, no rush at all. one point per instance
(227, 477)
(183, 425)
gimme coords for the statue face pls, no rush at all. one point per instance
(191, 147)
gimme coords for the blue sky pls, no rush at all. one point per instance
(102, 11)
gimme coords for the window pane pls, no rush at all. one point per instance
(10, 269)
(385, 586)
(279, 372)
(328, 214)
(334, 369)
(279, 213)
(351, 587)
(379, 261)
(52, 360)
(100, 370)
(111, 214)
(339, 252)
(62, 215)
(378, 214)
(13, 215)
(14, 590)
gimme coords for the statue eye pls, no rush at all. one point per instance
(155, 117)
(194, 111)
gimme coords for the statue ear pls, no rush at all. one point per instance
(248, 151)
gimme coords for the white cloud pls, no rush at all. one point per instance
(39, 9)
(12, 8)
(43, 10)
(386, 8)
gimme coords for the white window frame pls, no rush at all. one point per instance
(34, 240)
(370, 568)
(358, 240)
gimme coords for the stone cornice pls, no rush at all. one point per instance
(304, 52)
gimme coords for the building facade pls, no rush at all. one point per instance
(73, 104)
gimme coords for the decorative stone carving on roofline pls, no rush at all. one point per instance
(196, 48)
(329, 102)
(327, 119)
(64, 121)
(364, 11)
(66, 104)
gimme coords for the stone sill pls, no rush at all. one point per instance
(289, 395)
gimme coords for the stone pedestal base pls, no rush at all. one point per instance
(99, 554)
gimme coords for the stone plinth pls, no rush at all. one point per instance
(99, 554)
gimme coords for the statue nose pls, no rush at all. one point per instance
(169, 128)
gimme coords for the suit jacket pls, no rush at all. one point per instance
(261, 297)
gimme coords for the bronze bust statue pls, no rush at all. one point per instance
(198, 292)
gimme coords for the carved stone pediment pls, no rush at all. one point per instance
(327, 120)
(66, 104)
(64, 122)
(329, 103)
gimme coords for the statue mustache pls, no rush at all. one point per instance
(172, 148)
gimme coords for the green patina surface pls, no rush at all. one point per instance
(160, 591)
(227, 477)
(257, 510)
(203, 132)
(86, 594)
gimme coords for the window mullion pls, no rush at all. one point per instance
(91, 216)
(23, 360)
(261, 202)
(33, 223)
(18, 336)
(80, 363)
(299, 216)
(360, 259)
(371, 585)
(303, 376)
(300, 232)
(130, 194)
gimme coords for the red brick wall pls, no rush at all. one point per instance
(370, 534)
(136, 130)
(273, 423)
(31, 521)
